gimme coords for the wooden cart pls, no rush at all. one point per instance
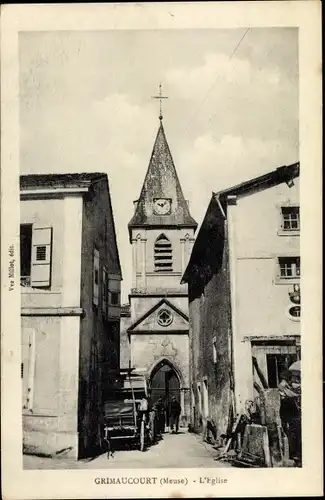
(123, 419)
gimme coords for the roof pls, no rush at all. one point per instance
(154, 308)
(211, 230)
(60, 180)
(270, 179)
(161, 181)
(36, 183)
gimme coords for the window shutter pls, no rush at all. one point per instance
(104, 293)
(28, 368)
(41, 256)
(96, 277)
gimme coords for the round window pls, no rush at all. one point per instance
(164, 317)
(294, 313)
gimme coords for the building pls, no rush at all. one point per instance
(154, 329)
(70, 296)
(244, 295)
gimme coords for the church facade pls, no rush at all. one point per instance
(155, 329)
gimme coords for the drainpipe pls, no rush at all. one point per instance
(230, 330)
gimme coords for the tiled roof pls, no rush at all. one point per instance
(161, 181)
(59, 180)
(31, 182)
(280, 174)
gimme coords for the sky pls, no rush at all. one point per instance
(86, 105)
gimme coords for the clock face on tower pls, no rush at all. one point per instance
(161, 206)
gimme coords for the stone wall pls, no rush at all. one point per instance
(50, 419)
(210, 331)
(99, 339)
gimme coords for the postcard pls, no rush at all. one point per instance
(161, 250)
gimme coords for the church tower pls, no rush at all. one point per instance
(161, 234)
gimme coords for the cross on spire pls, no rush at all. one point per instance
(160, 97)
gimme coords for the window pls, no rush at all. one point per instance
(289, 267)
(164, 317)
(271, 359)
(294, 313)
(205, 399)
(114, 286)
(276, 364)
(35, 255)
(26, 231)
(199, 397)
(163, 254)
(290, 219)
(114, 298)
(96, 277)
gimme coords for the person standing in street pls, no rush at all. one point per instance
(143, 411)
(160, 415)
(175, 411)
(158, 408)
(290, 413)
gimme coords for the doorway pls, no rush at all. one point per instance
(165, 384)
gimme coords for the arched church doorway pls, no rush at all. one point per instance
(165, 384)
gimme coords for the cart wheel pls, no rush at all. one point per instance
(108, 448)
(153, 431)
(142, 435)
(150, 433)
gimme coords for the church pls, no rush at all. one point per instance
(155, 323)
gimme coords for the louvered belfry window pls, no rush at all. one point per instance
(163, 254)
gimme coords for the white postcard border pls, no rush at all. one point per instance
(18, 483)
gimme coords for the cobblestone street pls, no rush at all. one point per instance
(183, 450)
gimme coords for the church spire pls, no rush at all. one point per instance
(161, 201)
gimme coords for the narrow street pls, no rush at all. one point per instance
(183, 450)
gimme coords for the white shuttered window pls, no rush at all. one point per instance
(41, 256)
